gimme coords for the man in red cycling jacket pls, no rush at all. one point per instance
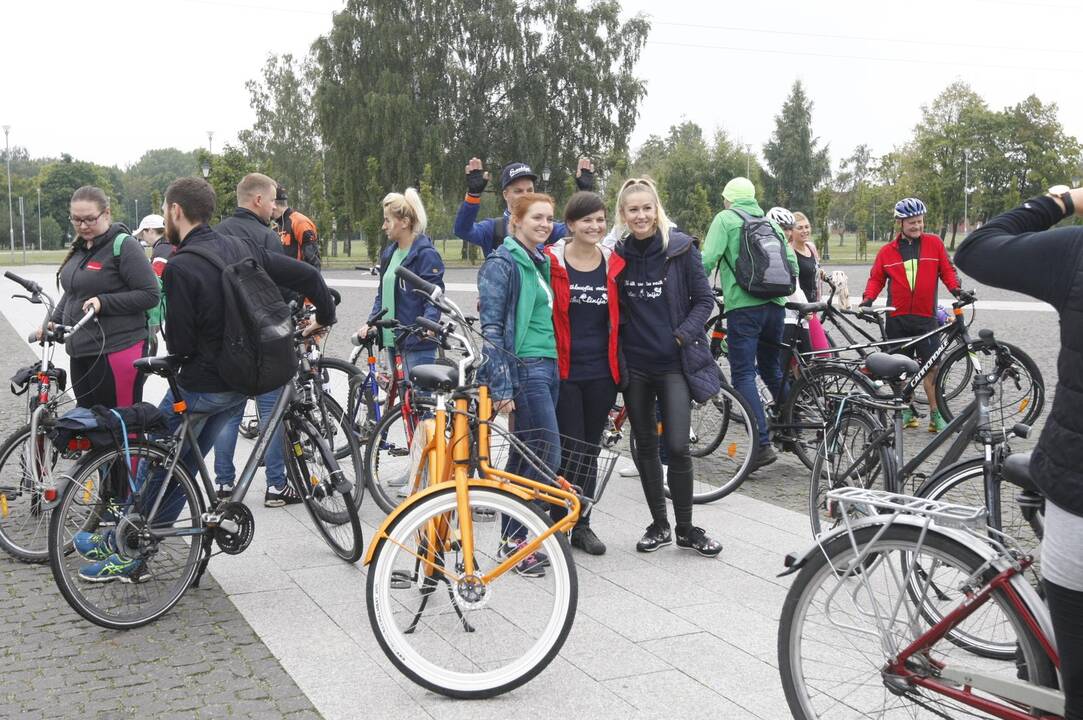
(910, 265)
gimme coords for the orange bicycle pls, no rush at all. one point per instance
(446, 598)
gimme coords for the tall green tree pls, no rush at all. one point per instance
(794, 157)
(148, 178)
(432, 82)
(58, 180)
(284, 142)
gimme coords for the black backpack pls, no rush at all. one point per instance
(763, 270)
(258, 354)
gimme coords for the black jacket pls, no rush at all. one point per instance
(246, 225)
(689, 301)
(1018, 251)
(125, 285)
(194, 324)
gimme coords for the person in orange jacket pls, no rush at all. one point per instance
(299, 237)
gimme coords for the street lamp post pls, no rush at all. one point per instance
(748, 159)
(39, 219)
(546, 173)
(206, 168)
(966, 192)
(22, 221)
(11, 218)
(210, 141)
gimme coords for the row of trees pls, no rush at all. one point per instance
(374, 109)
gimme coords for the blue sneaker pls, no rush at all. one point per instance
(115, 567)
(94, 546)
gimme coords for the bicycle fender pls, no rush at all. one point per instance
(59, 486)
(381, 532)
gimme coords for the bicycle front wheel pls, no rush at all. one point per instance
(846, 458)
(1019, 396)
(318, 477)
(24, 523)
(459, 635)
(722, 444)
(813, 401)
(134, 563)
(387, 462)
(843, 622)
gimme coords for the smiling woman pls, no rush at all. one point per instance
(516, 309)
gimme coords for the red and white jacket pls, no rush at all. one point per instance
(889, 268)
(560, 284)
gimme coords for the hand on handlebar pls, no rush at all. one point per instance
(39, 334)
(94, 304)
(313, 328)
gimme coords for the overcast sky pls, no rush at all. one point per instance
(107, 81)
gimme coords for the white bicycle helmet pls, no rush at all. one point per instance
(782, 216)
(909, 207)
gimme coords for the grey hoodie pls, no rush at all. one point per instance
(126, 286)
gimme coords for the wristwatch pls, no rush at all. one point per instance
(1065, 194)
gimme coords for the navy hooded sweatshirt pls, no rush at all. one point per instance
(649, 344)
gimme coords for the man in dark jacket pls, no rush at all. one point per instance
(515, 179)
(194, 332)
(251, 221)
(1018, 251)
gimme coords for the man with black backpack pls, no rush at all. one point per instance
(758, 271)
(207, 327)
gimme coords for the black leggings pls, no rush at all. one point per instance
(582, 411)
(1066, 609)
(671, 391)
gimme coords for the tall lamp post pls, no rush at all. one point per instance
(966, 192)
(206, 168)
(748, 159)
(546, 173)
(210, 141)
(11, 218)
(39, 219)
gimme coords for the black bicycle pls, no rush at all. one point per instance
(859, 450)
(160, 528)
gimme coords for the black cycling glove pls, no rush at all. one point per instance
(865, 303)
(476, 182)
(957, 291)
(585, 180)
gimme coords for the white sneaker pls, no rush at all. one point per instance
(628, 472)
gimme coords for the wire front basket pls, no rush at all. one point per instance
(542, 455)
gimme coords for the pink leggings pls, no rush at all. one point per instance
(108, 380)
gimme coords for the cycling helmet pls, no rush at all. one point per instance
(782, 216)
(909, 207)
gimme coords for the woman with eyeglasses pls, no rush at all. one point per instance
(665, 301)
(112, 275)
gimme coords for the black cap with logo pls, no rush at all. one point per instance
(515, 171)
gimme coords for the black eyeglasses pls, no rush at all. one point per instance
(86, 221)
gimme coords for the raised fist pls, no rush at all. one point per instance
(584, 175)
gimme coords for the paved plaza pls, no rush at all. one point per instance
(282, 629)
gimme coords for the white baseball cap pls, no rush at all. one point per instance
(150, 222)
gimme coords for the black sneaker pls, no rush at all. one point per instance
(224, 491)
(697, 540)
(764, 457)
(277, 497)
(655, 537)
(585, 539)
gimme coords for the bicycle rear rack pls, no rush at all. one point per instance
(947, 514)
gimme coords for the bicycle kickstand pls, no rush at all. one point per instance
(208, 544)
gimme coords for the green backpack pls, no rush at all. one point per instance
(157, 313)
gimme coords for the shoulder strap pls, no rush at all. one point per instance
(118, 243)
(500, 230)
(741, 214)
(206, 254)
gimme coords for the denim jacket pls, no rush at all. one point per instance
(423, 260)
(498, 293)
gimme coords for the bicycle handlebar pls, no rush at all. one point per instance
(59, 333)
(31, 286)
(418, 283)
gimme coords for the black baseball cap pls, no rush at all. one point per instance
(280, 193)
(515, 171)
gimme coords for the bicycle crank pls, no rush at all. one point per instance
(236, 527)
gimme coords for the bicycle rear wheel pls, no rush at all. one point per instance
(147, 573)
(387, 461)
(24, 523)
(458, 635)
(333, 509)
(843, 622)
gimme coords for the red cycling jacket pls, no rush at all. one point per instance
(561, 286)
(890, 268)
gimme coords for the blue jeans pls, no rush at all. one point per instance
(534, 421)
(218, 407)
(226, 444)
(751, 332)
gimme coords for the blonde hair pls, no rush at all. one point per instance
(407, 205)
(644, 184)
(252, 185)
(798, 216)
